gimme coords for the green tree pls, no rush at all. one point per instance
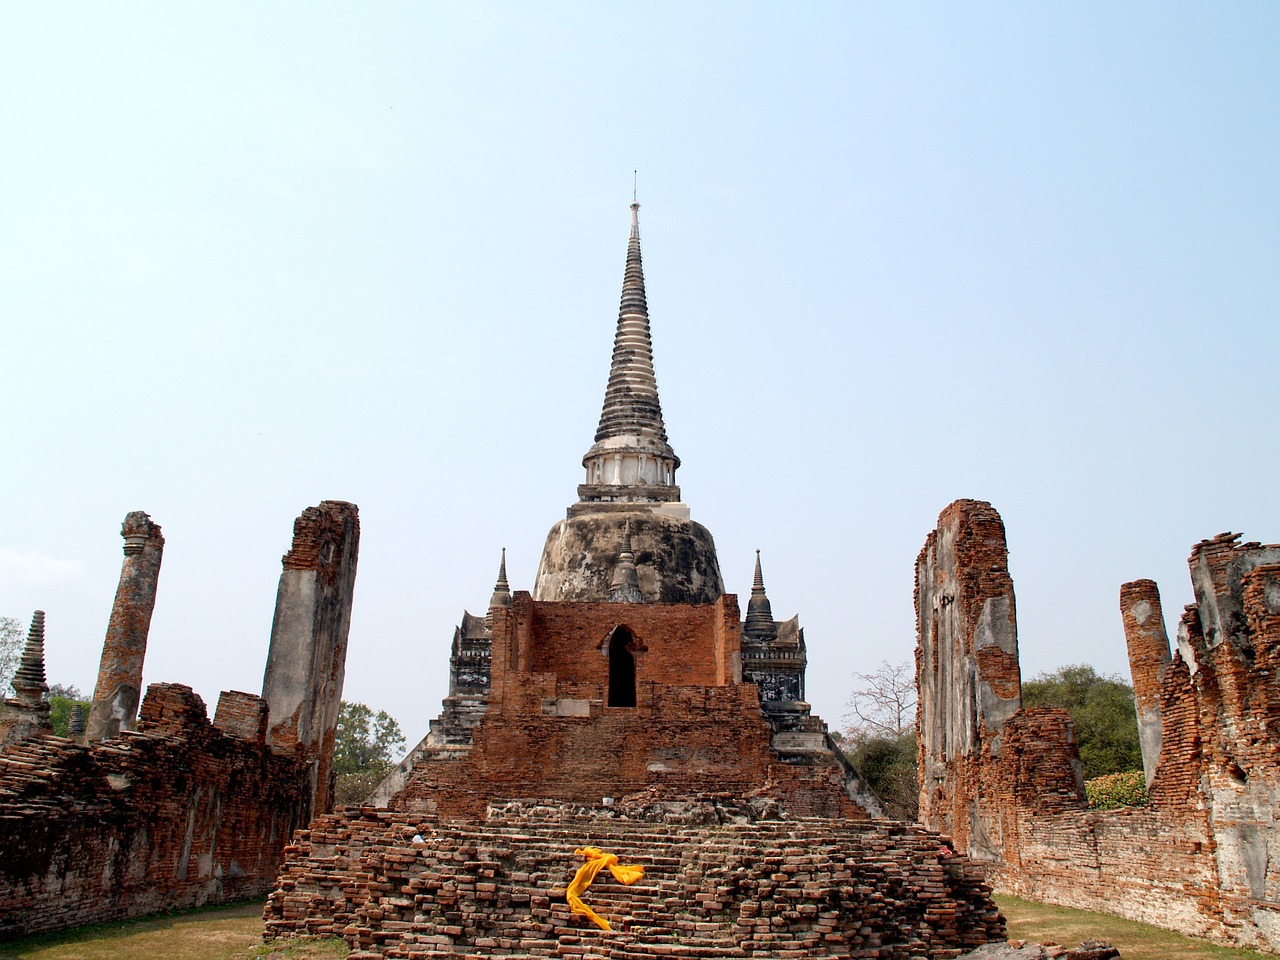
(364, 751)
(888, 763)
(1102, 712)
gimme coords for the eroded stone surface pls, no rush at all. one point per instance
(1201, 858)
(306, 661)
(119, 687)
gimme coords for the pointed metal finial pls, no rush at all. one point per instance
(635, 184)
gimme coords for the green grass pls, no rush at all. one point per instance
(213, 933)
(1135, 941)
(235, 933)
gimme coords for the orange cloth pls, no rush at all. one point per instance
(597, 860)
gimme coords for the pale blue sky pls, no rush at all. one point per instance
(257, 255)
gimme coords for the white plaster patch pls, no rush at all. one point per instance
(1271, 595)
(1141, 611)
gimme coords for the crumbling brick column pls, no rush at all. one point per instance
(119, 689)
(1148, 644)
(967, 673)
(307, 658)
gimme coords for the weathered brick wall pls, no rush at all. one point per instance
(769, 888)
(549, 730)
(1204, 857)
(685, 644)
(175, 814)
(679, 740)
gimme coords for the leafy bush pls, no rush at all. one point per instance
(889, 765)
(1128, 789)
(1102, 712)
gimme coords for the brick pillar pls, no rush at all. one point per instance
(968, 675)
(1148, 644)
(308, 654)
(119, 689)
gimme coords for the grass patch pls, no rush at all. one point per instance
(211, 933)
(235, 933)
(1042, 922)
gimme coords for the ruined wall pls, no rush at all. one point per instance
(306, 661)
(119, 687)
(176, 814)
(678, 741)
(1204, 856)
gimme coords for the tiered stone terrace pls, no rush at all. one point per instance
(762, 888)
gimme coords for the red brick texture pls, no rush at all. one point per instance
(119, 685)
(768, 888)
(173, 815)
(549, 732)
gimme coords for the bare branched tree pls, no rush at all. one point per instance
(12, 637)
(885, 703)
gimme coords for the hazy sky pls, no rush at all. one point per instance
(253, 256)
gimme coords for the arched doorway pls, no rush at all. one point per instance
(622, 669)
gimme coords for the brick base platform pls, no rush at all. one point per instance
(717, 883)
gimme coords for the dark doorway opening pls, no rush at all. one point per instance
(622, 669)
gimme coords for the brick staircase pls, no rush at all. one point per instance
(768, 888)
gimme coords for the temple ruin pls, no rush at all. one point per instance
(1004, 781)
(160, 809)
(626, 703)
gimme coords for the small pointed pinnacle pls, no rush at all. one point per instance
(625, 587)
(76, 722)
(29, 682)
(759, 621)
(501, 590)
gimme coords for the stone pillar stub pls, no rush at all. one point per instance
(1148, 643)
(306, 662)
(119, 688)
